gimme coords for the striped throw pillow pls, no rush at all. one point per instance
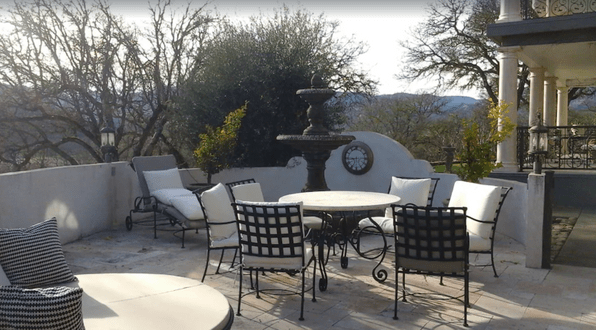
(33, 257)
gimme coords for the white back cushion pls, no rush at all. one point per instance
(482, 202)
(413, 191)
(248, 192)
(218, 208)
(165, 179)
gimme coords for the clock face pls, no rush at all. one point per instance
(357, 157)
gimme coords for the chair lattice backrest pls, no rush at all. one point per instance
(270, 230)
(431, 239)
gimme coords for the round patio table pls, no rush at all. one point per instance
(152, 301)
(346, 201)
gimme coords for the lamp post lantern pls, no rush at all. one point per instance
(538, 145)
(108, 144)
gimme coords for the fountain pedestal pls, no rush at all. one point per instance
(315, 142)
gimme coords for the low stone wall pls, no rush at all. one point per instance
(90, 198)
(84, 199)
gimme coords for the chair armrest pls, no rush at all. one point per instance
(481, 221)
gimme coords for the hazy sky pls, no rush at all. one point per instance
(379, 23)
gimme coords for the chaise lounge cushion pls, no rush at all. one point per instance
(189, 206)
(164, 179)
(48, 308)
(167, 187)
(33, 257)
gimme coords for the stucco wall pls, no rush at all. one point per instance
(84, 199)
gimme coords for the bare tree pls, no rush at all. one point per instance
(408, 119)
(452, 46)
(70, 68)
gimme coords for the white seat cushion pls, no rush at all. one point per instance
(219, 209)
(278, 263)
(189, 206)
(165, 179)
(414, 191)
(385, 223)
(312, 222)
(248, 192)
(231, 241)
(482, 202)
(478, 243)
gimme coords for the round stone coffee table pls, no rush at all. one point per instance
(152, 301)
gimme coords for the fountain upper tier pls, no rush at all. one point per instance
(315, 142)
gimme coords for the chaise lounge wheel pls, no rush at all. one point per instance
(128, 223)
(322, 284)
(344, 262)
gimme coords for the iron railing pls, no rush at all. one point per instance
(569, 147)
(551, 8)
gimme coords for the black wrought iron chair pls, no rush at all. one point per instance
(271, 237)
(430, 241)
(221, 224)
(484, 203)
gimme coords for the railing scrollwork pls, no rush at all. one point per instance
(550, 8)
(570, 147)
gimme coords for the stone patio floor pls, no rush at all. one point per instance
(563, 297)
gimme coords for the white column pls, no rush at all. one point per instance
(562, 106)
(510, 11)
(550, 101)
(508, 62)
(536, 94)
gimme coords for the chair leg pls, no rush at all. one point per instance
(396, 294)
(302, 298)
(492, 261)
(234, 259)
(183, 234)
(314, 279)
(206, 265)
(257, 284)
(220, 260)
(403, 284)
(466, 297)
(239, 292)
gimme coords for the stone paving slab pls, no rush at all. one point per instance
(520, 298)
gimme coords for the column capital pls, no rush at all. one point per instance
(509, 49)
(563, 89)
(537, 71)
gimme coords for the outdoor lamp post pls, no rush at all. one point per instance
(108, 144)
(538, 145)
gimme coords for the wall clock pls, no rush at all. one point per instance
(357, 157)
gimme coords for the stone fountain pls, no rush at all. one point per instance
(316, 143)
